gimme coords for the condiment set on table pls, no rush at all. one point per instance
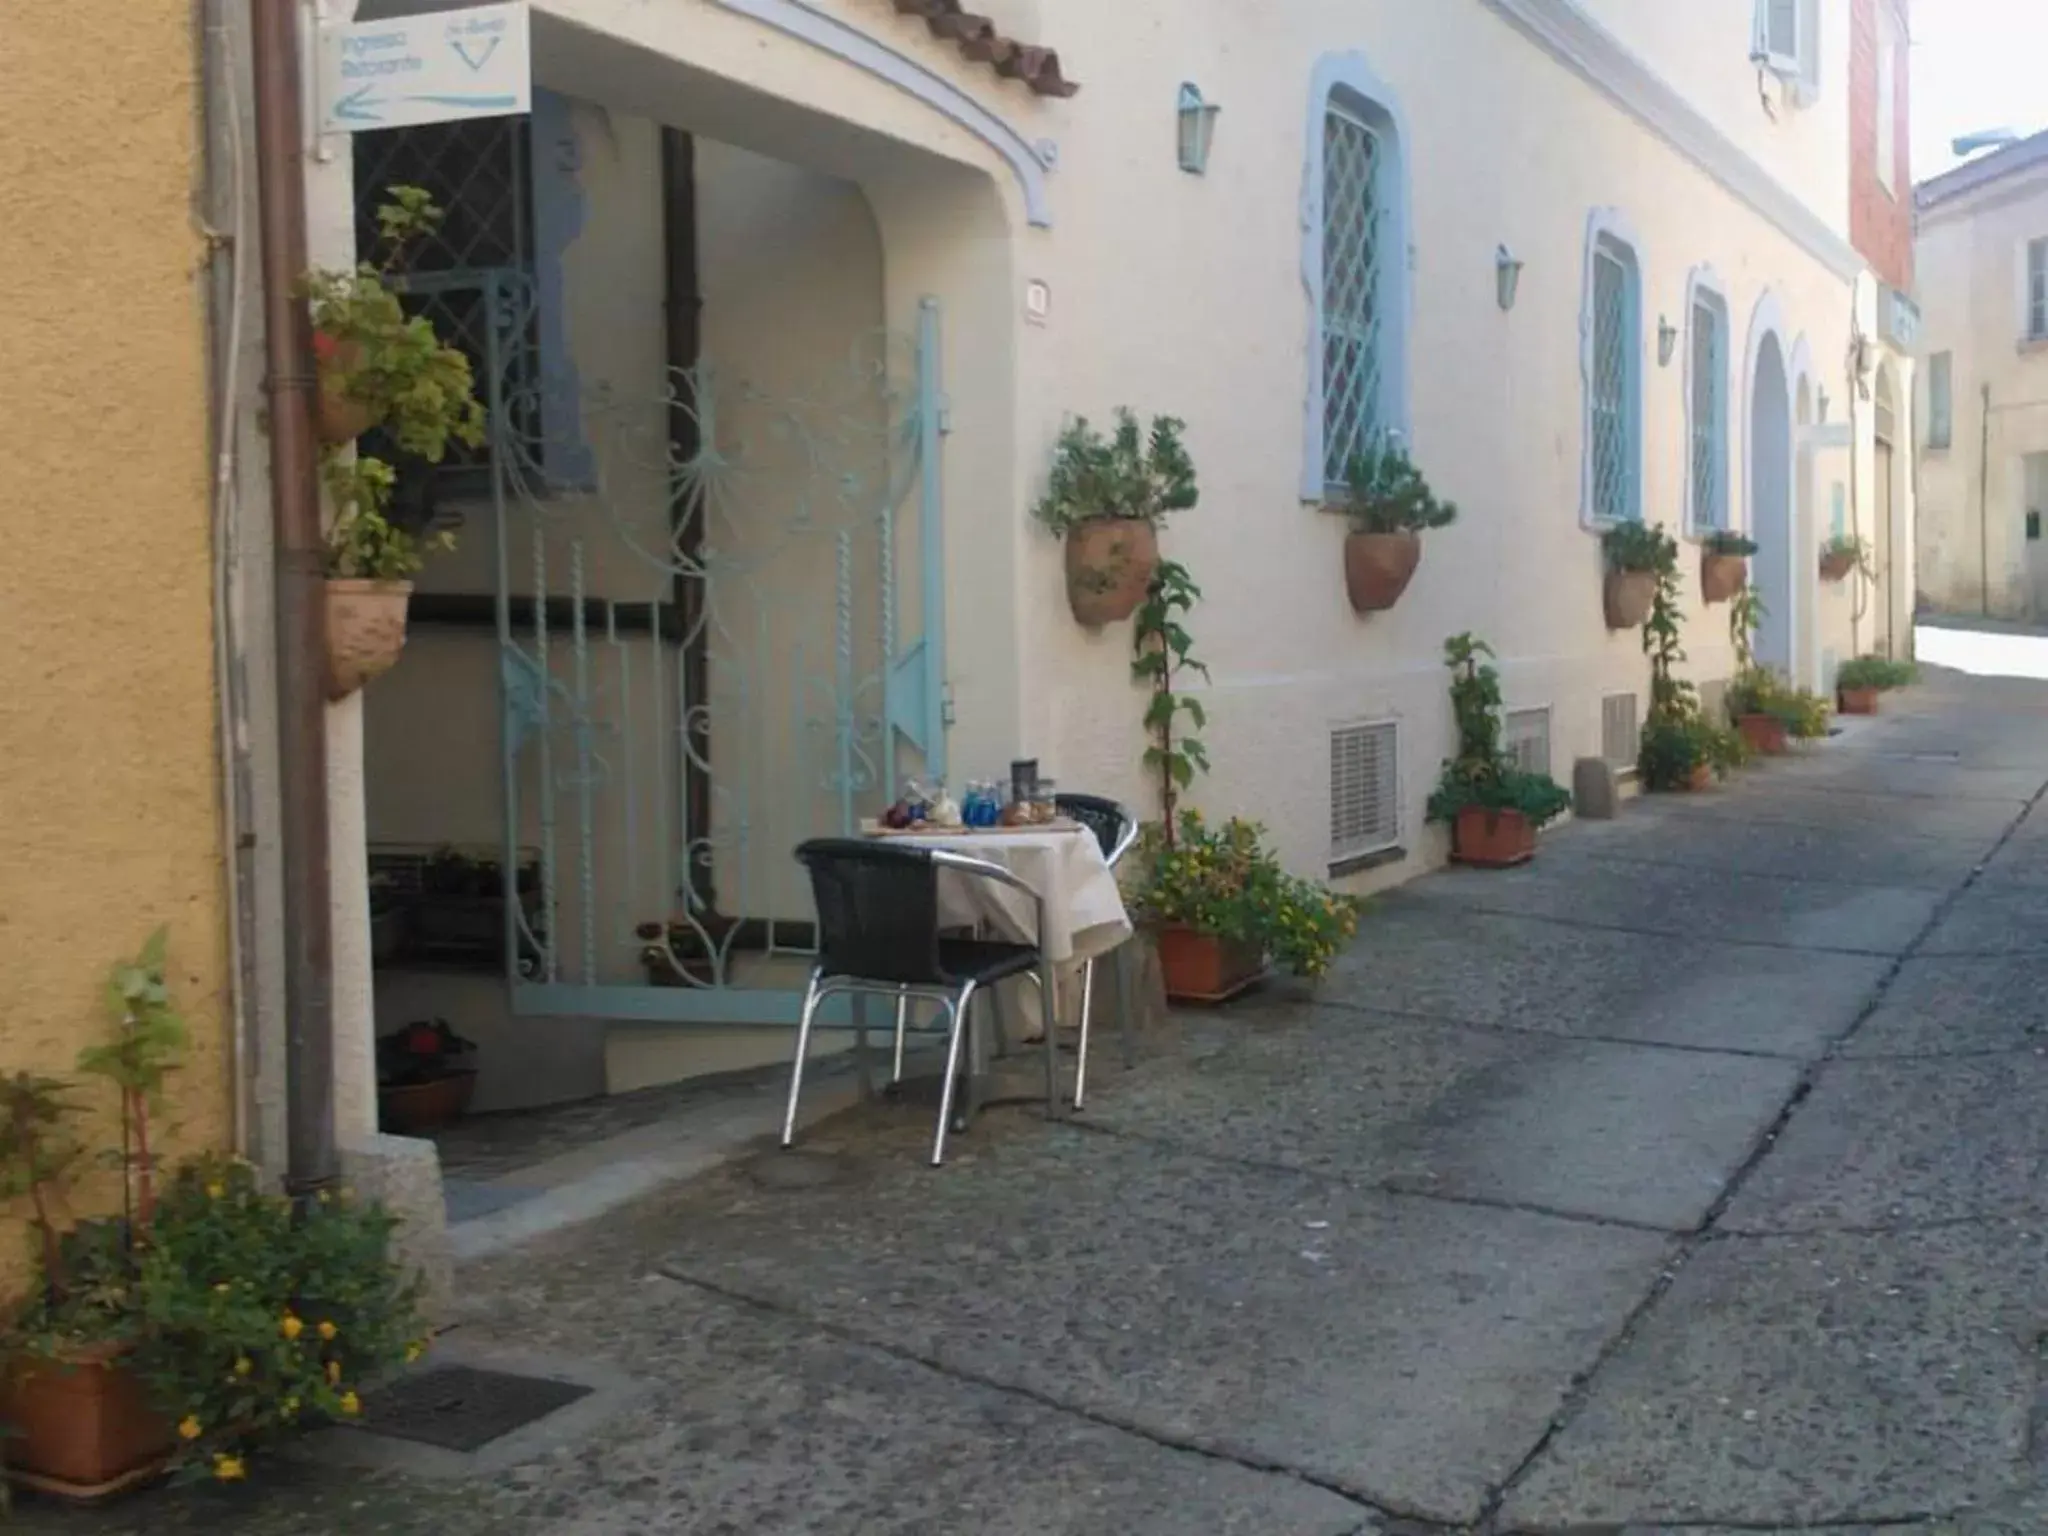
(1032, 803)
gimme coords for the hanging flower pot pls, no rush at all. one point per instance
(1378, 568)
(81, 1425)
(1492, 838)
(339, 417)
(365, 631)
(1203, 967)
(1627, 597)
(1858, 701)
(1842, 554)
(1722, 576)
(1110, 563)
(1763, 734)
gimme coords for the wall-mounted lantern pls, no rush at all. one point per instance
(1197, 129)
(1507, 276)
(1667, 340)
(1821, 397)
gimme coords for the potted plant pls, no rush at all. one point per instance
(1859, 681)
(1681, 749)
(1724, 565)
(1843, 553)
(1768, 710)
(1494, 809)
(1107, 497)
(379, 367)
(1221, 908)
(1389, 504)
(1635, 554)
(426, 1075)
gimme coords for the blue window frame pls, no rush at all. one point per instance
(1354, 236)
(1612, 363)
(1706, 405)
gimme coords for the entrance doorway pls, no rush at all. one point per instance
(1884, 419)
(1770, 500)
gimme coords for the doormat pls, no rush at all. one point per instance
(462, 1409)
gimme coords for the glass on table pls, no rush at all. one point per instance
(1045, 806)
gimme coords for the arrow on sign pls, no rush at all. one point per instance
(358, 107)
(477, 63)
(507, 102)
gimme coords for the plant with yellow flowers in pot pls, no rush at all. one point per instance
(1107, 498)
(380, 368)
(1390, 506)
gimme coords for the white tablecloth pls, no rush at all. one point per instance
(1084, 911)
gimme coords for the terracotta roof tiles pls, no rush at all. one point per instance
(977, 39)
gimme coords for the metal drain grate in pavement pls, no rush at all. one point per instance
(459, 1408)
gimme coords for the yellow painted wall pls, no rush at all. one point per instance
(109, 798)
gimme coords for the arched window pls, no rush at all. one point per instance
(1611, 365)
(1355, 266)
(1707, 363)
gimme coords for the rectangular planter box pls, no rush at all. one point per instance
(1858, 701)
(1492, 839)
(1765, 734)
(81, 1428)
(1201, 968)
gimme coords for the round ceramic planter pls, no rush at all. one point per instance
(1722, 576)
(365, 631)
(1110, 564)
(1627, 596)
(1378, 568)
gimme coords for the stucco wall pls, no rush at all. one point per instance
(109, 795)
(1971, 259)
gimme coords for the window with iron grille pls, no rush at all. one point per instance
(1365, 795)
(1707, 411)
(2037, 289)
(1527, 739)
(1354, 228)
(1614, 380)
(477, 173)
(1620, 735)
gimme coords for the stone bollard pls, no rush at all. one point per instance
(1595, 795)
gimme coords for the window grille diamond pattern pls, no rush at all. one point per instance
(1709, 417)
(1614, 382)
(1352, 237)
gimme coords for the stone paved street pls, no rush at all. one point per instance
(1686, 1180)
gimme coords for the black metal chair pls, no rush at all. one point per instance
(1115, 829)
(878, 932)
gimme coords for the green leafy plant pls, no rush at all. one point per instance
(1385, 493)
(1849, 549)
(1723, 542)
(1131, 473)
(1876, 672)
(1163, 653)
(1482, 774)
(1639, 547)
(1759, 690)
(1677, 739)
(406, 379)
(36, 1151)
(1226, 882)
(149, 1041)
(255, 1320)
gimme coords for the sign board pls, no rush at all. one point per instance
(432, 68)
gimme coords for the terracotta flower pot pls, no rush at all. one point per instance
(1378, 568)
(1765, 734)
(365, 631)
(1722, 576)
(1700, 780)
(1836, 567)
(82, 1427)
(1627, 597)
(413, 1109)
(1202, 968)
(1858, 701)
(1492, 839)
(1110, 561)
(339, 417)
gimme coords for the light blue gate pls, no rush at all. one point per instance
(720, 619)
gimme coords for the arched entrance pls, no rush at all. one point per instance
(1770, 497)
(1884, 422)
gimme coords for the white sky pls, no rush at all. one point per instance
(1976, 64)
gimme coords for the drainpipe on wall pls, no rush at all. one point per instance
(310, 1157)
(1984, 507)
(1854, 369)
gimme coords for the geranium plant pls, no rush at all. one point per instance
(1225, 882)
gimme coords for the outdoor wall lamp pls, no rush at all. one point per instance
(1197, 129)
(1507, 276)
(1667, 340)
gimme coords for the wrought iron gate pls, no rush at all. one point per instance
(720, 631)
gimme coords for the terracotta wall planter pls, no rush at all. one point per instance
(82, 1428)
(1492, 839)
(1763, 733)
(1722, 576)
(365, 631)
(1378, 568)
(1627, 597)
(1202, 968)
(1110, 562)
(413, 1109)
(1858, 701)
(337, 416)
(1836, 567)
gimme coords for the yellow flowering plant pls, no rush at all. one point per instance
(1226, 882)
(255, 1321)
